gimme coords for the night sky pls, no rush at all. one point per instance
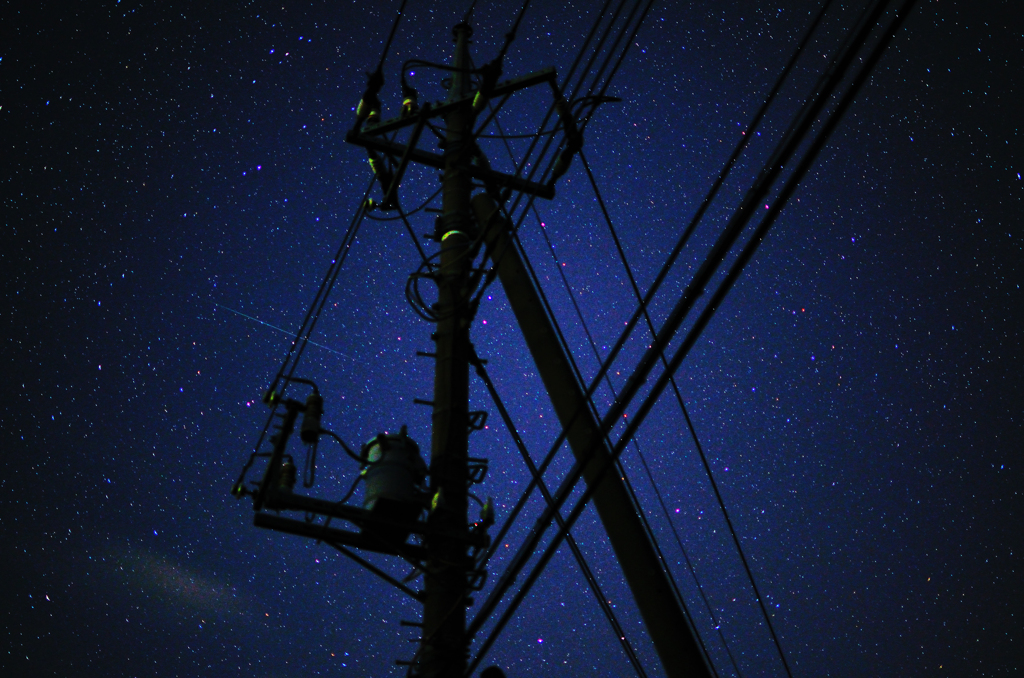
(176, 181)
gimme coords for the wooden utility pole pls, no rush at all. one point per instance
(445, 647)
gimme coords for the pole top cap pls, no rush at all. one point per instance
(460, 27)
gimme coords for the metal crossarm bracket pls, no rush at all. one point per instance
(501, 89)
(372, 138)
(437, 161)
(365, 519)
(331, 534)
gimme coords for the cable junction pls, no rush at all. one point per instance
(425, 522)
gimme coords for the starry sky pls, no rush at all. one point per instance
(176, 181)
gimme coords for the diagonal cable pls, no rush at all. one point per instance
(748, 134)
(650, 476)
(298, 344)
(602, 600)
(701, 280)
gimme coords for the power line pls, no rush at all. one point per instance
(332, 273)
(410, 212)
(511, 35)
(519, 562)
(551, 109)
(762, 230)
(679, 398)
(816, 102)
(615, 44)
(320, 299)
(619, 468)
(549, 139)
(622, 57)
(787, 146)
(412, 234)
(570, 540)
(301, 339)
(628, 486)
(391, 36)
(522, 165)
(469, 12)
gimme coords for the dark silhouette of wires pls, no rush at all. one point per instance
(634, 499)
(747, 135)
(404, 215)
(788, 146)
(573, 91)
(391, 36)
(296, 349)
(636, 445)
(298, 345)
(535, 474)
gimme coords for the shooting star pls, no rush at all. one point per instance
(279, 329)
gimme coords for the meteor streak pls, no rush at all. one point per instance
(279, 329)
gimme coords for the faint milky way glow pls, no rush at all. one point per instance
(857, 393)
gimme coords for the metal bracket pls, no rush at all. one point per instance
(477, 420)
(501, 89)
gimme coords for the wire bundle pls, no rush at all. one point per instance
(608, 41)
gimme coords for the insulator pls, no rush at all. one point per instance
(410, 106)
(286, 477)
(491, 73)
(479, 101)
(385, 177)
(437, 501)
(410, 98)
(310, 431)
(378, 166)
(369, 109)
(487, 513)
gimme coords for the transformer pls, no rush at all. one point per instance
(393, 481)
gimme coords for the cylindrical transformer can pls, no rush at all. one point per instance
(394, 474)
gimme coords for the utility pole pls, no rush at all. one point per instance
(392, 464)
(674, 638)
(445, 647)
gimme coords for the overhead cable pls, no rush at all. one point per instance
(589, 393)
(639, 376)
(535, 473)
(619, 468)
(537, 162)
(391, 36)
(679, 398)
(748, 134)
(302, 336)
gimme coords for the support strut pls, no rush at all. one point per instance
(674, 637)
